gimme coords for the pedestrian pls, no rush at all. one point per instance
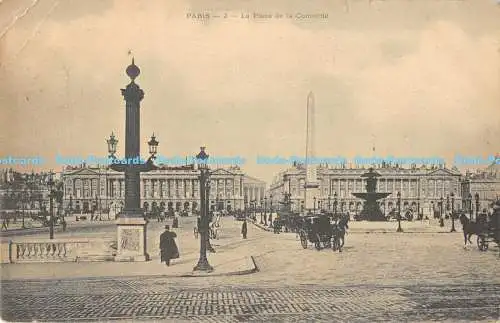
(175, 223)
(168, 247)
(64, 225)
(244, 229)
(276, 226)
(4, 223)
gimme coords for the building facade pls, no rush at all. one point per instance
(424, 189)
(173, 188)
(485, 183)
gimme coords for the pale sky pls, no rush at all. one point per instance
(417, 78)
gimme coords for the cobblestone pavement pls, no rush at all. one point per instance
(379, 277)
(157, 298)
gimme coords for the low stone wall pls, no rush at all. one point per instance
(58, 250)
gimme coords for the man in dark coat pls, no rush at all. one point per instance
(168, 247)
(244, 229)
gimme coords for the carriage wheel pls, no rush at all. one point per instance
(317, 243)
(303, 239)
(482, 244)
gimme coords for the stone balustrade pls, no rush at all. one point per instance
(61, 250)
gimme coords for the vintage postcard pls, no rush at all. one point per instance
(250, 161)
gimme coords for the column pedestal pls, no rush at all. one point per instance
(131, 243)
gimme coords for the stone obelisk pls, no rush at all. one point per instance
(311, 184)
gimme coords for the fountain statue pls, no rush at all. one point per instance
(371, 209)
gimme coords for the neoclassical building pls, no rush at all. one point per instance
(421, 188)
(175, 188)
(486, 183)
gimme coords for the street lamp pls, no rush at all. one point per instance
(399, 212)
(335, 202)
(469, 206)
(329, 203)
(265, 211)
(24, 201)
(314, 204)
(441, 207)
(271, 210)
(453, 212)
(50, 184)
(447, 204)
(203, 264)
(477, 204)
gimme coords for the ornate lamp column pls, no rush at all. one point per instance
(469, 205)
(271, 210)
(476, 196)
(453, 212)
(52, 194)
(203, 264)
(265, 211)
(335, 202)
(131, 225)
(399, 229)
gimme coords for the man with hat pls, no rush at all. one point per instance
(168, 247)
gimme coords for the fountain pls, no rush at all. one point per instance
(371, 209)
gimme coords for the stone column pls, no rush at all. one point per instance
(131, 226)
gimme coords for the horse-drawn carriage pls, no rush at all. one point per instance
(487, 230)
(289, 221)
(318, 230)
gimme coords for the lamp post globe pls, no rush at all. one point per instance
(112, 143)
(153, 146)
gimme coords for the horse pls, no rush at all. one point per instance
(469, 228)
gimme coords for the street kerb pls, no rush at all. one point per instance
(224, 263)
(262, 227)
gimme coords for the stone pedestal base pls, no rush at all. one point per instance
(131, 243)
(312, 191)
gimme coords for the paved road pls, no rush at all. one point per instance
(378, 277)
(154, 298)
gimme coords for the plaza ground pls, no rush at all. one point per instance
(421, 274)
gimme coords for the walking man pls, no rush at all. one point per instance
(244, 229)
(168, 247)
(5, 222)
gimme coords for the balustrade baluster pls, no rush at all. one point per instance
(53, 251)
(33, 250)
